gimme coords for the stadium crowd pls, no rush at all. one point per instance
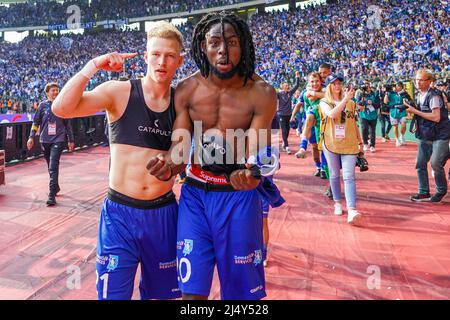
(301, 40)
(53, 12)
(343, 36)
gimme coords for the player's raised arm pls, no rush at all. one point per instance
(73, 101)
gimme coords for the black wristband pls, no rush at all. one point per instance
(256, 171)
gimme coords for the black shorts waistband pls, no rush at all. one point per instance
(162, 201)
(209, 186)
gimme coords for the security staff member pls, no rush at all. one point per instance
(285, 110)
(53, 132)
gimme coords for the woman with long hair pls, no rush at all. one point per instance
(341, 143)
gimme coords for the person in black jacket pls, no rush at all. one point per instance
(54, 132)
(285, 110)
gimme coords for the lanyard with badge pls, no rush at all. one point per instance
(51, 123)
(370, 107)
(339, 129)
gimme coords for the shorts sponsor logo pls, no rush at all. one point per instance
(244, 259)
(168, 265)
(113, 262)
(102, 260)
(254, 257)
(188, 246)
(258, 257)
(260, 287)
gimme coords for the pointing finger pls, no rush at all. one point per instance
(128, 55)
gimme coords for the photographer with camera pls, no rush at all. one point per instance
(384, 114)
(442, 86)
(397, 111)
(341, 143)
(368, 103)
(433, 132)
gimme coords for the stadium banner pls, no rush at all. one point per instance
(83, 25)
(19, 117)
(24, 117)
(118, 23)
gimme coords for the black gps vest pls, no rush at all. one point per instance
(141, 127)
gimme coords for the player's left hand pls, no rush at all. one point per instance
(243, 179)
(71, 146)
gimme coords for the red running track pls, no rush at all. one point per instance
(312, 254)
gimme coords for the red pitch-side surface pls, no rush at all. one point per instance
(312, 254)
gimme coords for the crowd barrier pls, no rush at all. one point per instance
(2, 167)
(87, 131)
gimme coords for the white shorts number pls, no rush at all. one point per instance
(188, 269)
(105, 283)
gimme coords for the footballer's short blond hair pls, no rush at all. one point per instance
(165, 30)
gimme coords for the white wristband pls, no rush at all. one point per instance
(89, 69)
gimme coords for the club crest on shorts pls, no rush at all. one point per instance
(258, 257)
(188, 246)
(113, 262)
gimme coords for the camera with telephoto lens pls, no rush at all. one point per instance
(406, 98)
